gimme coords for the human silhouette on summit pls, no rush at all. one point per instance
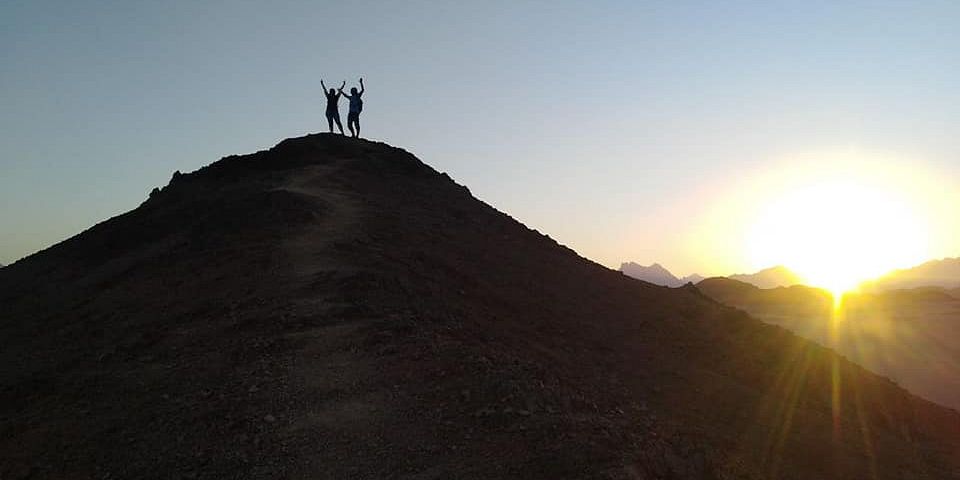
(356, 106)
(333, 111)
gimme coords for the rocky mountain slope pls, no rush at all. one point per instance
(334, 308)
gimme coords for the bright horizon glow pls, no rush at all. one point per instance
(836, 217)
(838, 232)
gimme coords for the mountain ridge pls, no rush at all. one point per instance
(777, 276)
(657, 274)
(943, 273)
(772, 277)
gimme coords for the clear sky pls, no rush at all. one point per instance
(619, 128)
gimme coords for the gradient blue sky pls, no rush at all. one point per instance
(608, 125)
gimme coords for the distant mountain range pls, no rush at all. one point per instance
(943, 273)
(656, 274)
(772, 277)
(778, 276)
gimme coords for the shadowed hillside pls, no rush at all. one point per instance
(334, 308)
(907, 335)
(798, 299)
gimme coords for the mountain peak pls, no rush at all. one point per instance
(944, 273)
(655, 273)
(335, 307)
(776, 276)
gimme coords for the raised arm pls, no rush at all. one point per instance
(324, 86)
(361, 86)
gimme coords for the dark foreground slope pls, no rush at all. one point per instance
(333, 308)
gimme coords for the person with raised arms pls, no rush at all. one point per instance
(333, 111)
(356, 106)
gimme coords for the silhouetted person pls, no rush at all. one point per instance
(333, 111)
(356, 106)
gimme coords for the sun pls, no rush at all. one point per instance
(837, 216)
(838, 231)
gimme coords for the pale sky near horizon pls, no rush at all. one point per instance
(628, 131)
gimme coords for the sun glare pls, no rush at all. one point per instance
(837, 232)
